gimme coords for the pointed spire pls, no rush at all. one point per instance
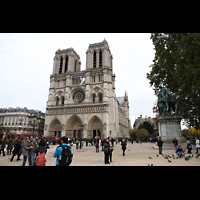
(125, 96)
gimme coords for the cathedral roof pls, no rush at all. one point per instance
(120, 100)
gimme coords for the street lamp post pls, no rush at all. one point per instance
(34, 121)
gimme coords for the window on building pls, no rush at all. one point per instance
(75, 66)
(94, 60)
(94, 96)
(60, 66)
(57, 101)
(63, 100)
(100, 59)
(66, 64)
(100, 98)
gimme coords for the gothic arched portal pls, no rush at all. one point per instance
(55, 128)
(95, 126)
(72, 127)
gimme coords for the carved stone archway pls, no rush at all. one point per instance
(55, 128)
(72, 128)
(95, 127)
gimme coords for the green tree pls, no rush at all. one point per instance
(133, 133)
(176, 65)
(141, 135)
(148, 126)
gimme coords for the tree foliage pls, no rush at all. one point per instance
(148, 126)
(176, 65)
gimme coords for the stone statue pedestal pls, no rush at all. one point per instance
(170, 128)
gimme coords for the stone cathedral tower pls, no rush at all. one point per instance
(84, 103)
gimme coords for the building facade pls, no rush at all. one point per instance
(84, 103)
(140, 120)
(16, 121)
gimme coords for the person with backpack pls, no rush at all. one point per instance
(40, 154)
(63, 153)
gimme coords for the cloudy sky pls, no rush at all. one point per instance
(26, 62)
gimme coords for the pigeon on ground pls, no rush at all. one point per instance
(150, 157)
(169, 161)
(186, 158)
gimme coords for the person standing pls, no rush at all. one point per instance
(59, 149)
(106, 151)
(25, 150)
(160, 144)
(97, 146)
(31, 155)
(189, 147)
(123, 147)
(102, 141)
(40, 150)
(197, 144)
(111, 148)
(77, 142)
(175, 142)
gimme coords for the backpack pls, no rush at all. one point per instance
(40, 160)
(65, 158)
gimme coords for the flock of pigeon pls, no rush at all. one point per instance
(177, 157)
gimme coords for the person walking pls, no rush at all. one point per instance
(160, 144)
(3, 144)
(106, 151)
(10, 146)
(175, 142)
(16, 150)
(123, 144)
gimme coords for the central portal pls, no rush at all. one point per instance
(72, 127)
(95, 125)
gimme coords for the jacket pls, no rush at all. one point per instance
(123, 145)
(106, 147)
(160, 143)
(34, 143)
(25, 148)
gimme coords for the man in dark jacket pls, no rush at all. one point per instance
(160, 144)
(123, 146)
(107, 151)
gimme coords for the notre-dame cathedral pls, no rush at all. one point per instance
(84, 103)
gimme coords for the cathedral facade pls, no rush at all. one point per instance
(84, 103)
